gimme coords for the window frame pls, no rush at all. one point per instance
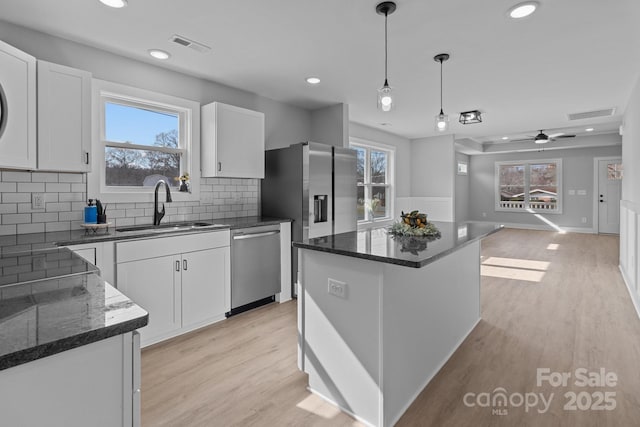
(527, 186)
(390, 150)
(188, 133)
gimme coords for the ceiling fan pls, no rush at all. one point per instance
(543, 138)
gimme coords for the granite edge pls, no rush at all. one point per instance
(394, 261)
(49, 349)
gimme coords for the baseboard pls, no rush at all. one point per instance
(433, 374)
(540, 227)
(627, 282)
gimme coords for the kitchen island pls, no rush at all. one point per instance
(379, 315)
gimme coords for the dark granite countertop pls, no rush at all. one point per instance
(377, 245)
(39, 319)
(35, 241)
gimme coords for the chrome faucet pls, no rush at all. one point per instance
(158, 215)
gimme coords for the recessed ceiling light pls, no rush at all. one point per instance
(313, 80)
(114, 3)
(159, 54)
(504, 138)
(589, 129)
(523, 10)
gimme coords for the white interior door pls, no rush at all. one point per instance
(609, 193)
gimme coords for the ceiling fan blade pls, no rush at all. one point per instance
(555, 135)
(522, 140)
(564, 136)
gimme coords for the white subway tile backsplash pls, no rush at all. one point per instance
(58, 207)
(7, 187)
(70, 177)
(21, 218)
(44, 177)
(30, 228)
(8, 208)
(54, 187)
(71, 197)
(44, 217)
(79, 188)
(7, 230)
(57, 226)
(30, 187)
(66, 194)
(16, 197)
(10, 176)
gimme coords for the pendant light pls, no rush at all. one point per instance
(385, 93)
(442, 120)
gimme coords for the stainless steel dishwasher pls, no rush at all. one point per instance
(255, 267)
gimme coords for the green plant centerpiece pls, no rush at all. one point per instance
(413, 231)
(414, 224)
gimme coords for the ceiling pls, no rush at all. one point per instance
(571, 56)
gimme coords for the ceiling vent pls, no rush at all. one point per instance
(183, 41)
(592, 114)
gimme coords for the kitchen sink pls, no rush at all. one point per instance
(170, 226)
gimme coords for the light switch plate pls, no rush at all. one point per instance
(582, 192)
(572, 192)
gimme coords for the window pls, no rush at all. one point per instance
(143, 137)
(374, 172)
(529, 186)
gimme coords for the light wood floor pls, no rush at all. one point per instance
(548, 301)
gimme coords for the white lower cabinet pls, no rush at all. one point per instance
(151, 283)
(182, 281)
(203, 285)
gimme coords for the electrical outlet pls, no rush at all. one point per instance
(338, 289)
(37, 200)
(584, 219)
(484, 214)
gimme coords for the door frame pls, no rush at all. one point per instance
(596, 175)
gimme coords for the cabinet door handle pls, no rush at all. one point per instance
(177, 265)
(219, 166)
(184, 264)
(86, 157)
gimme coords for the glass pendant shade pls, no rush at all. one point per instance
(442, 122)
(385, 97)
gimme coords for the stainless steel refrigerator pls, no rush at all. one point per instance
(315, 185)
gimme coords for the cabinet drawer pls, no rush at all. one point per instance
(161, 246)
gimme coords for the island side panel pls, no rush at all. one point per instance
(341, 336)
(427, 313)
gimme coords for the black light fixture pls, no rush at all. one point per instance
(385, 95)
(470, 117)
(442, 120)
(541, 138)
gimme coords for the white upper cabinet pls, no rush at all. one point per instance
(64, 118)
(17, 108)
(232, 142)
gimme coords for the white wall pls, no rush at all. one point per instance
(577, 174)
(285, 124)
(432, 177)
(330, 125)
(630, 205)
